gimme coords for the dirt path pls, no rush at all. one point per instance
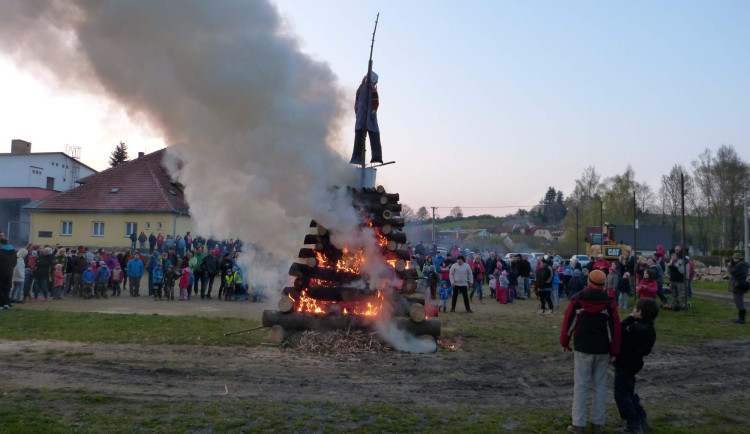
(709, 375)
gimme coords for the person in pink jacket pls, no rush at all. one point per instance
(647, 285)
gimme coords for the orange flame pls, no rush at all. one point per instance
(371, 308)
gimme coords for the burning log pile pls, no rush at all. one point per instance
(335, 289)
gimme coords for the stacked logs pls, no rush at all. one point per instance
(322, 282)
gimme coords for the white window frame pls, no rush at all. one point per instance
(95, 226)
(158, 226)
(130, 227)
(148, 226)
(66, 224)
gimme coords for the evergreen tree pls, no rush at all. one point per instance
(119, 155)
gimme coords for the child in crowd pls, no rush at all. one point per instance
(169, 278)
(58, 280)
(647, 287)
(239, 287)
(556, 287)
(612, 279)
(513, 276)
(623, 291)
(575, 285)
(444, 294)
(638, 337)
(229, 290)
(184, 283)
(102, 279)
(117, 276)
(88, 279)
(157, 278)
(502, 288)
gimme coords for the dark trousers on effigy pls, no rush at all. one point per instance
(464, 291)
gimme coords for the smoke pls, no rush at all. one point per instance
(404, 341)
(251, 116)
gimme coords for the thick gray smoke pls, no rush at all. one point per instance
(253, 118)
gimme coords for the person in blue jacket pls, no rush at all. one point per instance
(135, 272)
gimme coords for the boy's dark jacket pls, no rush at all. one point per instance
(638, 337)
(593, 319)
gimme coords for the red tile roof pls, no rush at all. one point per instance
(143, 185)
(32, 193)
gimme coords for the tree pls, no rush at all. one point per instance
(423, 214)
(456, 212)
(671, 195)
(119, 155)
(407, 213)
(551, 209)
(588, 186)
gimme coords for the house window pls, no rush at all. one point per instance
(97, 229)
(66, 228)
(131, 228)
(148, 226)
(158, 226)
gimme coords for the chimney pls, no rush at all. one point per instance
(140, 154)
(18, 146)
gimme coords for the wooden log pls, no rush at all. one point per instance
(427, 327)
(322, 231)
(398, 237)
(278, 335)
(341, 293)
(311, 262)
(380, 189)
(394, 222)
(400, 265)
(389, 198)
(311, 239)
(302, 270)
(409, 274)
(298, 321)
(306, 253)
(386, 214)
(386, 229)
(286, 304)
(409, 286)
(429, 342)
(313, 224)
(417, 313)
(301, 321)
(392, 246)
(301, 283)
(402, 254)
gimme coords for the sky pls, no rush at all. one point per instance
(483, 104)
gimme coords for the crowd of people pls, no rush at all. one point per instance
(181, 269)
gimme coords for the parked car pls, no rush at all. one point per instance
(582, 259)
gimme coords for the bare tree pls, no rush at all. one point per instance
(423, 214)
(407, 213)
(588, 186)
(456, 212)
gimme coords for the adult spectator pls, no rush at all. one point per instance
(151, 243)
(544, 277)
(477, 271)
(460, 278)
(199, 273)
(524, 271)
(438, 259)
(211, 268)
(658, 273)
(593, 322)
(419, 250)
(160, 242)
(79, 265)
(135, 269)
(170, 243)
(181, 245)
(489, 266)
(42, 273)
(738, 285)
(133, 237)
(225, 267)
(142, 238)
(8, 260)
(601, 264)
(676, 268)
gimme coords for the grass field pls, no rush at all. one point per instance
(502, 335)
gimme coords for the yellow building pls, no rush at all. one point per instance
(137, 196)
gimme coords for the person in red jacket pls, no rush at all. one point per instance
(647, 286)
(593, 322)
(477, 270)
(601, 264)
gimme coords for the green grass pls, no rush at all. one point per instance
(711, 286)
(83, 411)
(121, 329)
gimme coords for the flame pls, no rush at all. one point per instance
(371, 308)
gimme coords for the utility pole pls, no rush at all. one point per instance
(682, 194)
(577, 233)
(744, 219)
(601, 226)
(635, 228)
(433, 224)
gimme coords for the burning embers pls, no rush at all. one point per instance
(352, 286)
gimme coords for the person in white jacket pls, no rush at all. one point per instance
(461, 278)
(19, 274)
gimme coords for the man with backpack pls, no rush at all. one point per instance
(593, 321)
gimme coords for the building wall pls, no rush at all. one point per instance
(114, 227)
(32, 170)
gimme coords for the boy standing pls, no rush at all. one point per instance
(638, 337)
(444, 293)
(592, 318)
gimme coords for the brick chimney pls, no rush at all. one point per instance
(140, 154)
(18, 146)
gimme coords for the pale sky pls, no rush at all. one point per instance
(484, 103)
